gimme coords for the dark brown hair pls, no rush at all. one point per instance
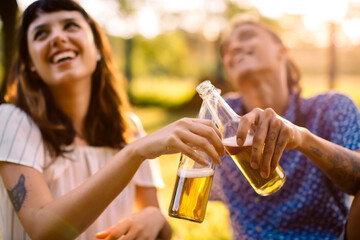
(106, 122)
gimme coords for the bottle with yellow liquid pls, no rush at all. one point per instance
(192, 186)
(227, 121)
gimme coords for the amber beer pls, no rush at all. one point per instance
(191, 194)
(242, 156)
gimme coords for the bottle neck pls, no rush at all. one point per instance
(220, 110)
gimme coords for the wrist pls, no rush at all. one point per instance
(305, 138)
(134, 153)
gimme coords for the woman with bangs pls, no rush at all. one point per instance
(74, 160)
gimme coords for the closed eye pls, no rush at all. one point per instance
(71, 25)
(40, 34)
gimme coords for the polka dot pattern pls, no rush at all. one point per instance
(308, 206)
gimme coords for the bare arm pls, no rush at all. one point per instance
(66, 217)
(340, 164)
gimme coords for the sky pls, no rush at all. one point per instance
(315, 15)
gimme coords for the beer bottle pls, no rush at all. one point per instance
(192, 186)
(227, 121)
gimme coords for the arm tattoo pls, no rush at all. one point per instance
(316, 151)
(346, 168)
(18, 193)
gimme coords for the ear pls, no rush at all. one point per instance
(98, 55)
(283, 52)
(32, 67)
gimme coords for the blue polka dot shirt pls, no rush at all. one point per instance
(308, 206)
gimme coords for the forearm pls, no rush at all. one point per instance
(72, 213)
(340, 164)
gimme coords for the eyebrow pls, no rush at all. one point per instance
(44, 25)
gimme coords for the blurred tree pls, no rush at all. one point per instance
(8, 14)
(167, 54)
(127, 9)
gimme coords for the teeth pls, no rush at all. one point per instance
(239, 57)
(63, 56)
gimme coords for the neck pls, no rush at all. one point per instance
(266, 91)
(73, 100)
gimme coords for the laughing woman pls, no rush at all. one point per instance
(72, 155)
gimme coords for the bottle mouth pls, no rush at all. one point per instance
(205, 87)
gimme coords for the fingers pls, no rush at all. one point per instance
(259, 141)
(202, 137)
(271, 135)
(114, 232)
(271, 154)
(199, 134)
(245, 124)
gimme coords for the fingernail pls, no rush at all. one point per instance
(239, 141)
(254, 164)
(264, 174)
(100, 234)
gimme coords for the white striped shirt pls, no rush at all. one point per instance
(21, 143)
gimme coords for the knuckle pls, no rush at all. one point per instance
(269, 112)
(286, 131)
(277, 122)
(171, 140)
(245, 120)
(182, 121)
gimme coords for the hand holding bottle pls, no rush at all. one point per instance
(186, 136)
(234, 136)
(271, 135)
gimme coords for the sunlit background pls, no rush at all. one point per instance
(166, 47)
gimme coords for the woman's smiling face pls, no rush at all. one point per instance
(249, 50)
(62, 47)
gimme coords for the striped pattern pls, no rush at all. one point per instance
(21, 143)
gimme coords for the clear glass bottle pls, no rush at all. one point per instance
(227, 121)
(192, 186)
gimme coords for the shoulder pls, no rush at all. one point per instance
(331, 97)
(13, 116)
(331, 101)
(234, 100)
(20, 138)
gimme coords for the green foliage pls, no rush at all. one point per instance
(167, 54)
(162, 91)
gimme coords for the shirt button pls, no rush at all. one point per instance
(258, 229)
(257, 200)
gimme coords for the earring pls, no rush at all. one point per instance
(98, 57)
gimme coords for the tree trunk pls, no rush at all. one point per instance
(8, 14)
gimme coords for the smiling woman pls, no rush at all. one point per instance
(74, 159)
